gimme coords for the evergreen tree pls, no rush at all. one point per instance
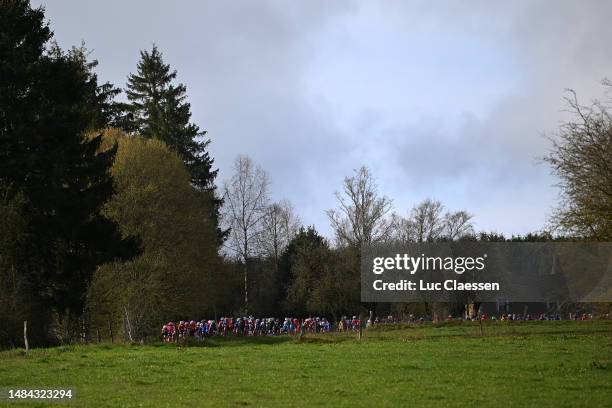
(307, 239)
(158, 109)
(47, 101)
(322, 279)
(105, 111)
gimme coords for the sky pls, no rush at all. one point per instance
(444, 100)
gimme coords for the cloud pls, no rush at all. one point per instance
(439, 99)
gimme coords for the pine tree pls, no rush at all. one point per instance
(106, 111)
(158, 109)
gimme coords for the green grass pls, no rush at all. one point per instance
(556, 364)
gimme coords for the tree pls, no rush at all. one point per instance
(48, 98)
(458, 225)
(338, 290)
(425, 223)
(268, 284)
(362, 216)
(158, 109)
(581, 157)
(279, 226)
(13, 296)
(176, 274)
(428, 222)
(305, 259)
(105, 110)
(305, 238)
(323, 280)
(245, 206)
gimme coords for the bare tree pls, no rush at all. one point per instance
(581, 156)
(427, 222)
(245, 205)
(457, 225)
(363, 216)
(279, 226)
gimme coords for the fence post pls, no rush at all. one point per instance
(25, 335)
(110, 329)
(360, 325)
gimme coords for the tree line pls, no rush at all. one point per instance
(111, 219)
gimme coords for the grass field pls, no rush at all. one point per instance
(547, 364)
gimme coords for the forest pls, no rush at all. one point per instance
(113, 217)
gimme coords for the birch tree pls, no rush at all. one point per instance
(245, 206)
(279, 225)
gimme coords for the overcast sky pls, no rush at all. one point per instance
(441, 100)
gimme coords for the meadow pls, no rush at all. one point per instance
(511, 364)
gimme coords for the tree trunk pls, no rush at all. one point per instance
(246, 288)
(128, 328)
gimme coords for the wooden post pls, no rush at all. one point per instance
(98, 335)
(110, 329)
(25, 335)
(480, 321)
(360, 325)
